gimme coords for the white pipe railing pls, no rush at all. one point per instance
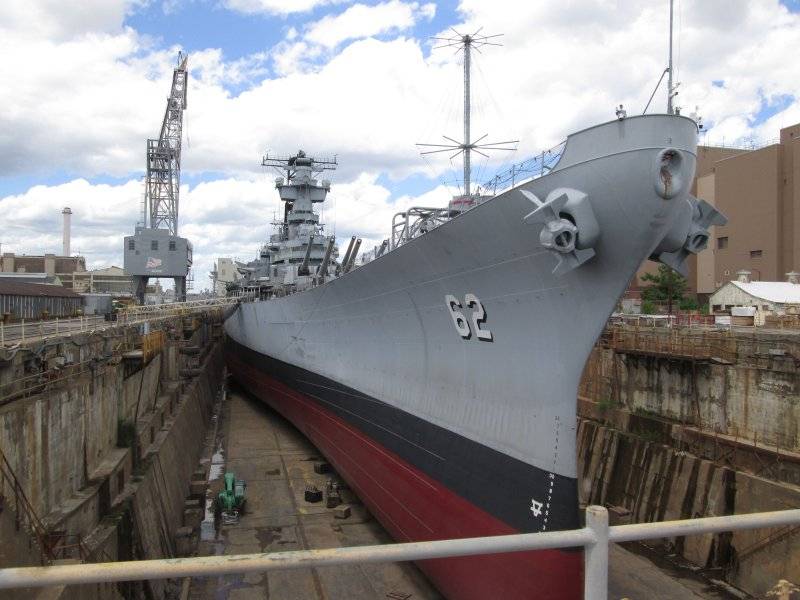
(594, 538)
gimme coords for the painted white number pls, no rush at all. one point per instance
(536, 507)
(478, 317)
(458, 317)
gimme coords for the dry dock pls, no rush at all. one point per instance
(115, 437)
(277, 463)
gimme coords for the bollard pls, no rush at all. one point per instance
(56, 324)
(595, 583)
(23, 331)
(2, 333)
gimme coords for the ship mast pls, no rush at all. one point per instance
(465, 43)
(671, 85)
(467, 115)
(670, 108)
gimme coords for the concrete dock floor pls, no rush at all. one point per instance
(277, 463)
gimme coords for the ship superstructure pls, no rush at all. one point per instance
(298, 253)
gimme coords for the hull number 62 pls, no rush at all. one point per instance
(461, 323)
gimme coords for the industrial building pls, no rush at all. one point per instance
(50, 264)
(46, 268)
(32, 278)
(20, 300)
(111, 280)
(759, 191)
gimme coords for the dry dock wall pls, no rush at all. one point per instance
(158, 504)
(645, 481)
(748, 387)
(111, 489)
(673, 428)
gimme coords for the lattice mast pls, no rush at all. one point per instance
(466, 43)
(163, 180)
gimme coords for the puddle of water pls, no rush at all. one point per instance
(217, 467)
(207, 530)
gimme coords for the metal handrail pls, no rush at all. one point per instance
(23, 506)
(132, 316)
(536, 166)
(594, 538)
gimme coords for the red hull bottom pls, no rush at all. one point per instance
(415, 507)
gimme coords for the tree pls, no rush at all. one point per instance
(666, 287)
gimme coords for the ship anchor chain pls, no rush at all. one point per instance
(570, 229)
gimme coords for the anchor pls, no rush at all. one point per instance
(570, 229)
(688, 235)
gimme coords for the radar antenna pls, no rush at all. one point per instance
(465, 43)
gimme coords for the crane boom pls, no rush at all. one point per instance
(155, 249)
(163, 178)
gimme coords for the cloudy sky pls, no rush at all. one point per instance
(83, 85)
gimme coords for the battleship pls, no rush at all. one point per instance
(439, 377)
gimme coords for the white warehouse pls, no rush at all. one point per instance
(767, 297)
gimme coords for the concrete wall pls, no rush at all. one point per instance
(170, 461)
(17, 549)
(65, 435)
(743, 400)
(64, 445)
(629, 472)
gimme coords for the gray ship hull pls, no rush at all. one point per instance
(452, 362)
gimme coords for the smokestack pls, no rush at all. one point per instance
(67, 212)
(793, 277)
(743, 276)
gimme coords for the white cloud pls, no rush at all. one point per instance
(300, 53)
(103, 214)
(361, 20)
(275, 7)
(226, 217)
(90, 91)
(59, 20)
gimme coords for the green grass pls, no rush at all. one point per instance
(605, 405)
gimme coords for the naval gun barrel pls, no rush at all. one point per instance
(346, 258)
(303, 270)
(322, 269)
(349, 264)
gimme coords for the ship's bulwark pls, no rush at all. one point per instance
(441, 378)
(408, 499)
